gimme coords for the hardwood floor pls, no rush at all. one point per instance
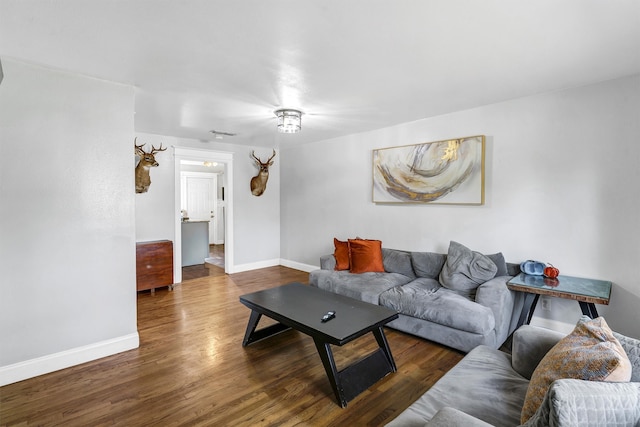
(216, 255)
(191, 369)
(214, 265)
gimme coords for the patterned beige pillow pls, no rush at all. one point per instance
(590, 352)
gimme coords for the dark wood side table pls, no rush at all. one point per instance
(588, 292)
(154, 265)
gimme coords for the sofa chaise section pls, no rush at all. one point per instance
(489, 387)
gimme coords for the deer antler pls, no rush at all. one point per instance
(138, 148)
(274, 154)
(253, 154)
(154, 150)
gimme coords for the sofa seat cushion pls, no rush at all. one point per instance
(482, 385)
(364, 286)
(425, 299)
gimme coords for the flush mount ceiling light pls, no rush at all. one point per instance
(289, 121)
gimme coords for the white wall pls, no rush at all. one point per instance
(67, 239)
(256, 221)
(562, 186)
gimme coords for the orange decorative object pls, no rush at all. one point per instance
(550, 282)
(551, 272)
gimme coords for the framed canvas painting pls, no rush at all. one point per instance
(443, 172)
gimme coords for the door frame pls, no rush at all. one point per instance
(226, 158)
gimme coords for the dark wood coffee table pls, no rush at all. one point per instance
(301, 307)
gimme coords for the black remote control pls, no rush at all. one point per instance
(330, 315)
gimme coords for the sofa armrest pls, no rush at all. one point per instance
(495, 295)
(571, 402)
(447, 417)
(530, 344)
(328, 262)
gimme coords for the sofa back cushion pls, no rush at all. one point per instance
(501, 264)
(427, 264)
(512, 269)
(529, 345)
(396, 261)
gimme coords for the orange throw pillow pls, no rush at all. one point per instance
(366, 256)
(341, 254)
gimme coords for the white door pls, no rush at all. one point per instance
(200, 199)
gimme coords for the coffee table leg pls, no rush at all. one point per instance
(252, 335)
(251, 326)
(384, 345)
(359, 376)
(326, 355)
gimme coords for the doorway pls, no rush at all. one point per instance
(200, 197)
(223, 212)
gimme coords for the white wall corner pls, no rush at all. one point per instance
(54, 362)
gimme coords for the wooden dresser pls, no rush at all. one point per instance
(154, 265)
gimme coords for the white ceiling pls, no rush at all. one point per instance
(349, 65)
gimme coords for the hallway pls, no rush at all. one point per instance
(214, 265)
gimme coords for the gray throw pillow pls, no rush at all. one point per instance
(465, 270)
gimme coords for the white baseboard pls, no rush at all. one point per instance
(298, 265)
(54, 362)
(271, 263)
(239, 268)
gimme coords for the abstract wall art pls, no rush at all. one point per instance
(442, 172)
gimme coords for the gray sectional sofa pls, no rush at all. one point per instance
(410, 285)
(488, 387)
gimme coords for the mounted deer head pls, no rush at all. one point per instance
(259, 182)
(147, 161)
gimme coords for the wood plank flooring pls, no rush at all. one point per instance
(191, 369)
